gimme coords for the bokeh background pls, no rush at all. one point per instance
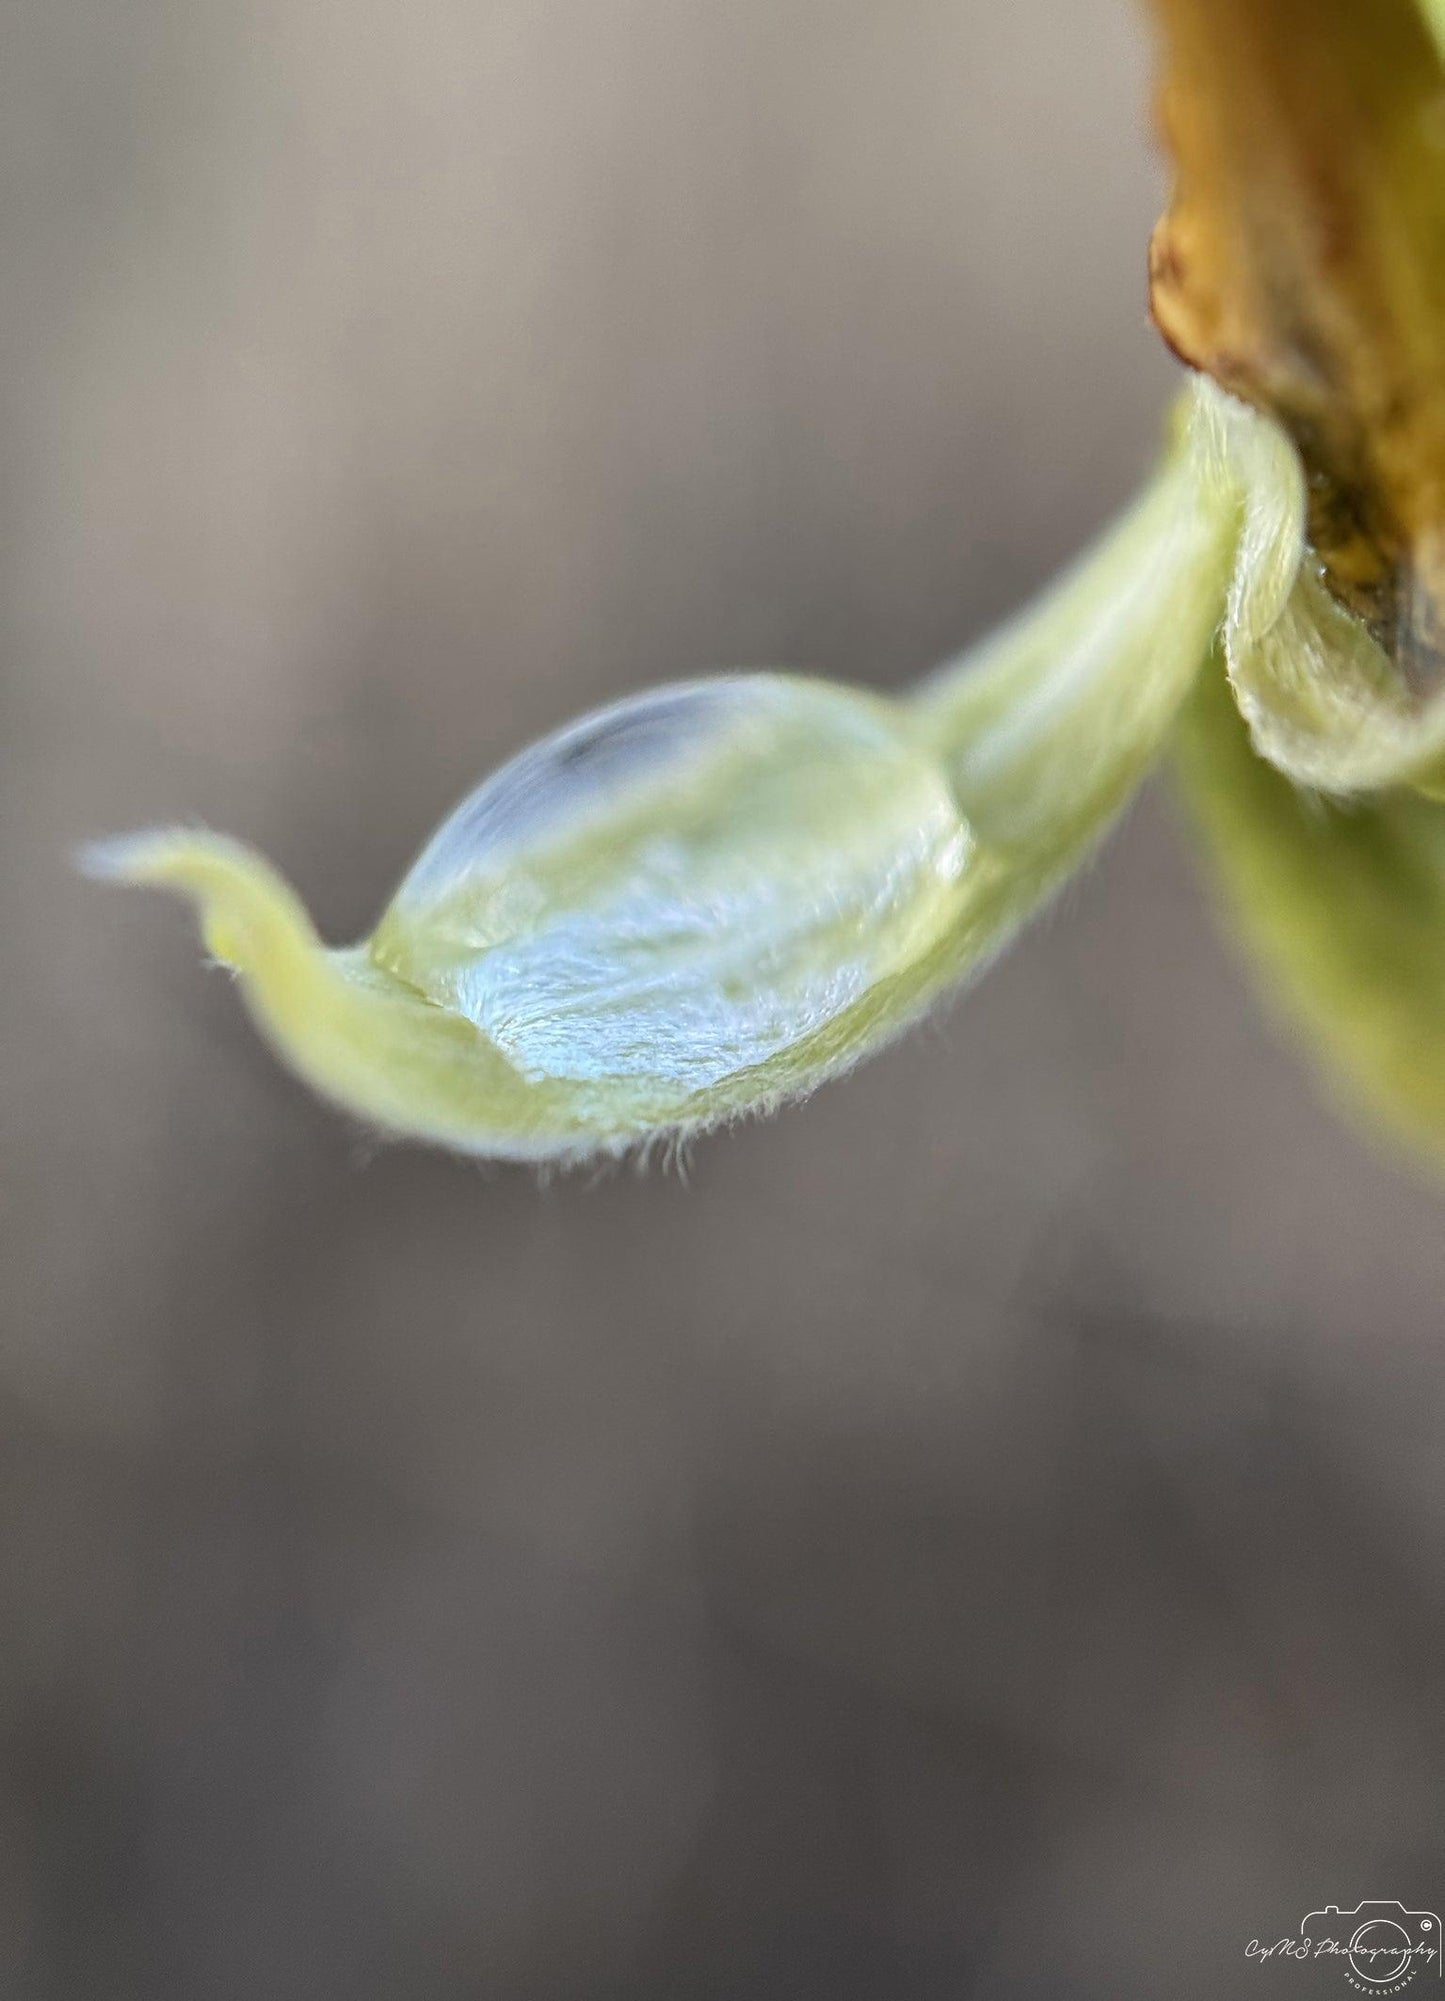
(984, 1534)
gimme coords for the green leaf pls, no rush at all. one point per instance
(1324, 702)
(1047, 726)
(707, 899)
(1342, 902)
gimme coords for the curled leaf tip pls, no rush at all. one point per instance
(1325, 701)
(126, 857)
(248, 913)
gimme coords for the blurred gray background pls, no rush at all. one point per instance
(984, 1535)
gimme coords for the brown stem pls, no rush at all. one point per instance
(1301, 263)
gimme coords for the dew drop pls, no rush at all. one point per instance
(684, 885)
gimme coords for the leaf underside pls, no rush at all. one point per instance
(1342, 904)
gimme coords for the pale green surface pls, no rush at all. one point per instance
(1047, 726)
(708, 899)
(1343, 903)
(754, 905)
(1327, 846)
(1323, 701)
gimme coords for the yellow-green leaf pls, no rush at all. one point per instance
(1323, 700)
(707, 899)
(1342, 902)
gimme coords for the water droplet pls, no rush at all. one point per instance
(685, 884)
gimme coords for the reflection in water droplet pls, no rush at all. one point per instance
(685, 884)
